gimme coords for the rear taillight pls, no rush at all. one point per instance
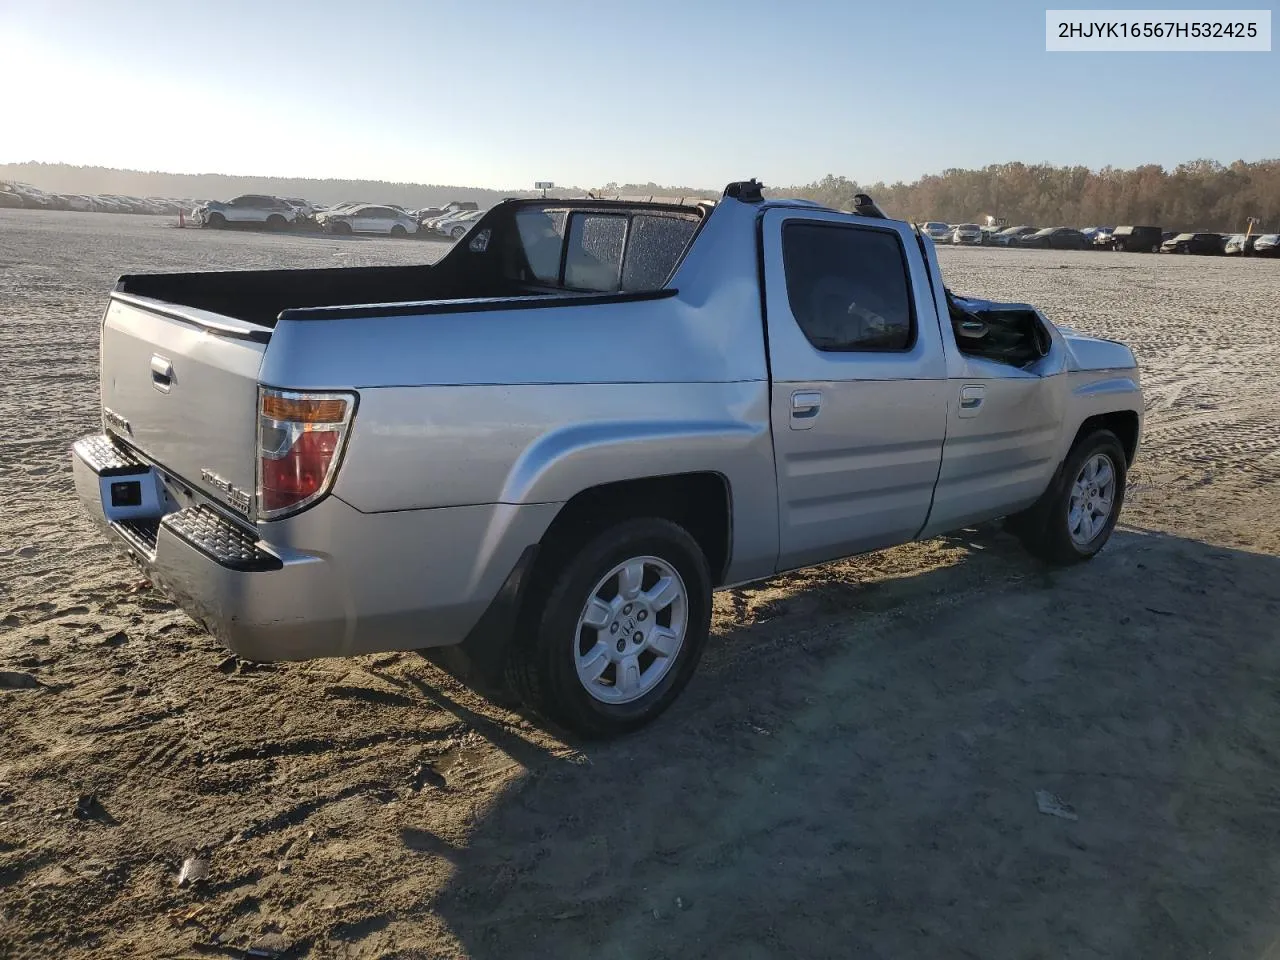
(300, 441)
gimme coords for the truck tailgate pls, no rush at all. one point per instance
(181, 386)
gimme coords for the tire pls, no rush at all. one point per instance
(342, 229)
(216, 221)
(276, 222)
(1155, 248)
(398, 231)
(458, 233)
(1047, 530)
(571, 672)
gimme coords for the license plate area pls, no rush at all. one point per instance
(133, 493)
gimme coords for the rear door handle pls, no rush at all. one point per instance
(161, 373)
(805, 406)
(971, 397)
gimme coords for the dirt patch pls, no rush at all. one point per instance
(854, 771)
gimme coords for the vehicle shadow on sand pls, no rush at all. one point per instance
(865, 785)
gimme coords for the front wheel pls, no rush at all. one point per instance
(1075, 517)
(620, 631)
(216, 221)
(276, 222)
(398, 231)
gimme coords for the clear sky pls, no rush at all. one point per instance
(499, 93)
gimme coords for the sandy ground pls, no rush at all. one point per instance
(852, 772)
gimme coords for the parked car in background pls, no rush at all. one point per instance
(1101, 238)
(428, 224)
(936, 230)
(1054, 238)
(1009, 236)
(1267, 245)
(1136, 239)
(345, 205)
(306, 209)
(457, 225)
(271, 212)
(1205, 244)
(368, 218)
(28, 196)
(966, 233)
(1240, 244)
(317, 463)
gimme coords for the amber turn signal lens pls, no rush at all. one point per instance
(301, 410)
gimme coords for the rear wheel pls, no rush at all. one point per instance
(399, 231)
(1074, 518)
(617, 627)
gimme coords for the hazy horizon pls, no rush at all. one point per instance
(1199, 195)
(64, 171)
(499, 95)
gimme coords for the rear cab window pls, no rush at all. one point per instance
(603, 251)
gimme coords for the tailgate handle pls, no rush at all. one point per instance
(161, 373)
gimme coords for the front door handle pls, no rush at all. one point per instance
(805, 406)
(971, 397)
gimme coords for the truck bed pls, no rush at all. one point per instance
(258, 296)
(495, 265)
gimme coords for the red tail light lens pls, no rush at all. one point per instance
(300, 442)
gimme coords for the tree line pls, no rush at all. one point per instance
(1200, 195)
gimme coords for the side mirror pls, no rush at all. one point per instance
(971, 329)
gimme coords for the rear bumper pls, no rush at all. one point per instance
(328, 582)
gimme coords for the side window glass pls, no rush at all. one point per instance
(654, 249)
(595, 252)
(542, 238)
(848, 287)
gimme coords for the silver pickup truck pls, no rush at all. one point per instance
(549, 448)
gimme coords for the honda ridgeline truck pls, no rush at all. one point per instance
(549, 448)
